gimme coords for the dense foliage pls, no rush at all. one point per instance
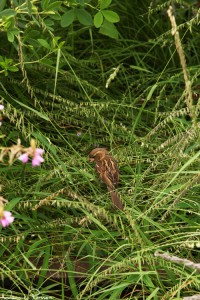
(80, 74)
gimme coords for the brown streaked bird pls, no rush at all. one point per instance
(108, 172)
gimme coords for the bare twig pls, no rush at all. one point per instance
(172, 258)
(195, 297)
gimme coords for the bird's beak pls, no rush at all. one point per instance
(91, 159)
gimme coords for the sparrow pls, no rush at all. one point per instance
(107, 169)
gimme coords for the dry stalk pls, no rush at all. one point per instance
(179, 48)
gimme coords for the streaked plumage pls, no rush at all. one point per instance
(108, 172)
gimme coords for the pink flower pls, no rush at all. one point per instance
(39, 151)
(37, 158)
(7, 218)
(24, 158)
(1, 107)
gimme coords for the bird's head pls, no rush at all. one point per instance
(97, 154)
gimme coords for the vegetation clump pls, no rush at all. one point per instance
(83, 74)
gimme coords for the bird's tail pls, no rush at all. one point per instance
(117, 203)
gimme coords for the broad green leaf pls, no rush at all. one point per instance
(2, 4)
(111, 16)
(15, 30)
(54, 6)
(84, 16)
(105, 3)
(109, 29)
(44, 4)
(10, 36)
(7, 13)
(44, 43)
(98, 19)
(68, 18)
(48, 22)
(13, 69)
(56, 16)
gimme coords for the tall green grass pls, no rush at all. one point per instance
(66, 241)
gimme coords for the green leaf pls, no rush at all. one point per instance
(44, 4)
(48, 22)
(71, 277)
(111, 16)
(96, 221)
(11, 204)
(68, 18)
(56, 16)
(45, 142)
(84, 17)
(29, 6)
(14, 30)
(45, 264)
(44, 43)
(10, 36)
(54, 6)
(153, 294)
(105, 3)
(7, 13)
(151, 91)
(2, 4)
(98, 19)
(11, 33)
(13, 69)
(38, 113)
(109, 29)
(140, 69)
